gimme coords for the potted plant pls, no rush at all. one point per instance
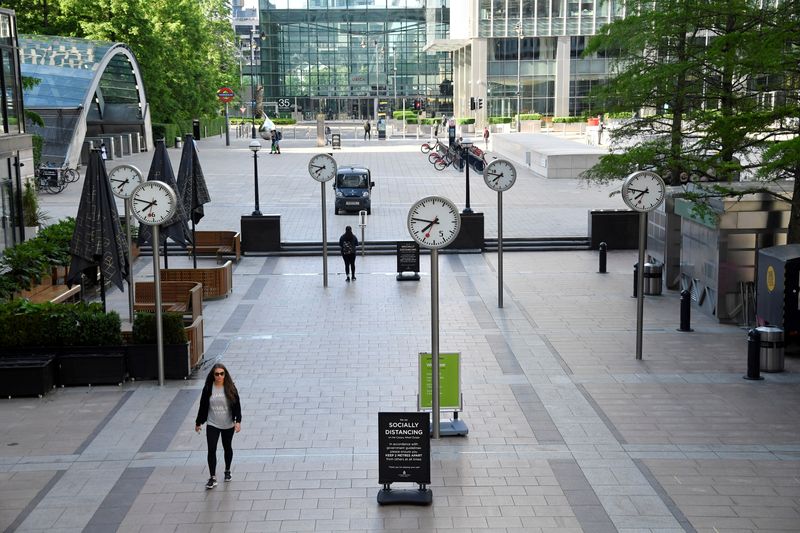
(143, 352)
(33, 217)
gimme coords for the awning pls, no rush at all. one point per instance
(445, 45)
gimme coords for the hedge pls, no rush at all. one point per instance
(499, 120)
(620, 114)
(530, 116)
(403, 115)
(568, 120)
(465, 121)
(81, 324)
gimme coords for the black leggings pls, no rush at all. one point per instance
(349, 263)
(212, 436)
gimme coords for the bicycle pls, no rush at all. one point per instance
(450, 157)
(427, 147)
(50, 180)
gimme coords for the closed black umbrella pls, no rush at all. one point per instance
(192, 189)
(98, 239)
(177, 229)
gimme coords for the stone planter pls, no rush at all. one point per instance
(143, 361)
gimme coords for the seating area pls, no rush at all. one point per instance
(177, 296)
(219, 243)
(217, 281)
(52, 289)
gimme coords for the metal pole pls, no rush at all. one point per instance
(499, 249)
(435, 343)
(252, 78)
(404, 118)
(363, 247)
(257, 211)
(227, 127)
(324, 237)
(640, 284)
(159, 325)
(519, 61)
(465, 157)
(131, 295)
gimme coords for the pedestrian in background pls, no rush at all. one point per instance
(103, 153)
(273, 139)
(221, 411)
(348, 244)
(486, 137)
(367, 130)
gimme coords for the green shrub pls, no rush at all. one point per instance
(412, 120)
(530, 116)
(30, 260)
(80, 324)
(166, 132)
(403, 115)
(620, 114)
(144, 328)
(462, 121)
(568, 120)
(499, 120)
(284, 121)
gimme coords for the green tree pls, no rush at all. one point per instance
(697, 73)
(184, 47)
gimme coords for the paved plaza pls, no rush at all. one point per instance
(567, 431)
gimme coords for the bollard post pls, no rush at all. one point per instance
(635, 280)
(753, 355)
(602, 258)
(686, 311)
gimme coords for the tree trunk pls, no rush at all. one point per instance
(793, 234)
(676, 164)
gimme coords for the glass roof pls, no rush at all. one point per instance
(66, 67)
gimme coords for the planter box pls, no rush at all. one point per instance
(99, 367)
(143, 361)
(27, 376)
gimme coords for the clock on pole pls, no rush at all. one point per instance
(322, 167)
(124, 179)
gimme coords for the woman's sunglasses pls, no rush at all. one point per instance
(219, 373)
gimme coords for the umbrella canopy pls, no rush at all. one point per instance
(98, 239)
(177, 228)
(192, 190)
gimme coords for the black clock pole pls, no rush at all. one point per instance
(157, 291)
(640, 283)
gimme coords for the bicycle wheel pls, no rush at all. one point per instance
(425, 148)
(439, 164)
(55, 185)
(71, 175)
(433, 156)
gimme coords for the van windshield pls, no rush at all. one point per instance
(354, 181)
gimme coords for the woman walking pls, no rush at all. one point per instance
(221, 411)
(348, 244)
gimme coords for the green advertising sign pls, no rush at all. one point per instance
(449, 381)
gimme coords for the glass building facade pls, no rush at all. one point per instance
(16, 154)
(350, 59)
(533, 47)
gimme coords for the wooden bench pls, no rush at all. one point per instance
(219, 243)
(178, 296)
(52, 289)
(194, 332)
(217, 281)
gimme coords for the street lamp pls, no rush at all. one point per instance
(253, 85)
(255, 146)
(518, 27)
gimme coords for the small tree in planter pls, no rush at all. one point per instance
(143, 352)
(32, 215)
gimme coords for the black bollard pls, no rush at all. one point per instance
(753, 355)
(602, 258)
(686, 311)
(635, 280)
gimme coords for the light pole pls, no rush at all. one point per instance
(255, 146)
(253, 86)
(394, 71)
(518, 27)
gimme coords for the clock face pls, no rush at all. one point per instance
(153, 202)
(500, 175)
(124, 179)
(434, 222)
(322, 167)
(643, 191)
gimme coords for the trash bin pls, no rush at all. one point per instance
(652, 279)
(178, 142)
(771, 345)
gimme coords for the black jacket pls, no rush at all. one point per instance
(352, 238)
(205, 399)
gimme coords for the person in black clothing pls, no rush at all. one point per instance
(221, 411)
(367, 130)
(348, 244)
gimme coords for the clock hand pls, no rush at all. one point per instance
(434, 221)
(120, 181)
(420, 219)
(642, 193)
(498, 176)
